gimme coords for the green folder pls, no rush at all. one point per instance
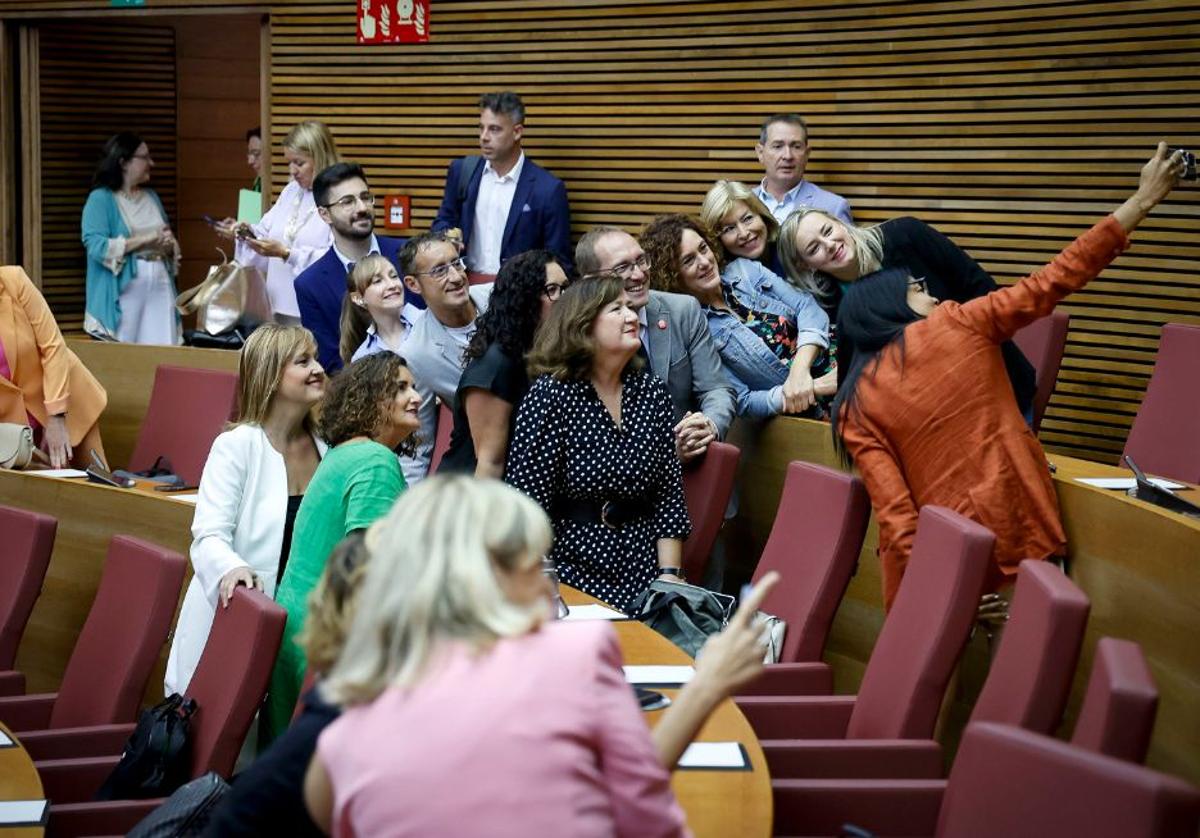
(249, 206)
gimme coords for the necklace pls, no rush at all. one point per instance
(296, 223)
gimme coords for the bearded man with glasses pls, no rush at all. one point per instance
(675, 339)
(344, 202)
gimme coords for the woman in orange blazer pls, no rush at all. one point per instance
(42, 382)
(926, 411)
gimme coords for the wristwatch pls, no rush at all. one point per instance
(672, 571)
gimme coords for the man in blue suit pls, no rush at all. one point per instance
(502, 202)
(345, 203)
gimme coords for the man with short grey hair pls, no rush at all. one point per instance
(502, 202)
(783, 150)
(675, 336)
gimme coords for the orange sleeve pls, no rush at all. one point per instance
(56, 362)
(1000, 314)
(893, 503)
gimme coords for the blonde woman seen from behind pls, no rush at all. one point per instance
(253, 481)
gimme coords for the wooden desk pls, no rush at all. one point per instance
(717, 803)
(19, 781)
(88, 516)
(1138, 563)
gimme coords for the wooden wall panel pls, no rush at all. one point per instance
(1009, 124)
(96, 80)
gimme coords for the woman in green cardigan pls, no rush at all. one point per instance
(132, 255)
(370, 411)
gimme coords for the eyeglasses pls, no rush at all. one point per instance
(625, 269)
(440, 272)
(919, 283)
(742, 223)
(554, 290)
(347, 201)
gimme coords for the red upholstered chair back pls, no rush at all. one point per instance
(441, 442)
(1030, 677)
(814, 544)
(1163, 439)
(1121, 701)
(231, 678)
(25, 547)
(707, 487)
(1043, 342)
(188, 408)
(926, 629)
(1007, 781)
(123, 635)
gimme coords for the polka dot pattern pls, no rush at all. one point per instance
(566, 446)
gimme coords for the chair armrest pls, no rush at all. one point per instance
(898, 759)
(12, 682)
(104, 817)
(27, 712)
(885, 807)
(75, 742)
(798, 717)
(74, 780)
(792, 679)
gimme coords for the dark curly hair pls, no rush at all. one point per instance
(660, 239)
(514, 308)
(359, 397)
(117, 149)
(563, 346)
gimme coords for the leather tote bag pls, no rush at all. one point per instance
(231, 295)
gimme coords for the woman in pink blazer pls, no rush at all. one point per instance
(43, 384)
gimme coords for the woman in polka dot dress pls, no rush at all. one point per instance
(593, 445)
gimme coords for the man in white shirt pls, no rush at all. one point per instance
(783, 150)
(434, 347)
(502, 202)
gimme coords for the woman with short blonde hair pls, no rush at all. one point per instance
(291, 235)
(741, 223)
(253, 481)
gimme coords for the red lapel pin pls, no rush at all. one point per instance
(662, 324)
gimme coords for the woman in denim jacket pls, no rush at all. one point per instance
(774, 339)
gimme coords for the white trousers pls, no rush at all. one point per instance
(148, 306)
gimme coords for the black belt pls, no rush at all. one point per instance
(614, 514)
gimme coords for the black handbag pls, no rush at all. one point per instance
(687, 615)
(157, 758)
(185, 813)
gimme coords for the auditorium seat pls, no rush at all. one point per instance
(1163, 439)
(441, 442)
(1026, 686)
(815, 541)
(1005, 782)
(707, 488)
(24, 556)
(1117, 716)
(188, 409)
(1043, 342)
(117, 647)
(229, 685)
(909, 667)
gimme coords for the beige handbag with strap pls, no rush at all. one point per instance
(16, 445)
(232, 294)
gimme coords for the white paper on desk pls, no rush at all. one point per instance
(5, 741)
(594, 612)
(1126, 482)
(58, 472)
(16, 812)
(728, 755)
(192, 498)
(658, 676)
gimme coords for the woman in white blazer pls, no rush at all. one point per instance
(252, 484)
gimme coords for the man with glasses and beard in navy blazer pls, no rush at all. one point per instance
(345, 203)
(501, 201)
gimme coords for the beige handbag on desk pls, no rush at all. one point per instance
(16, 445)
(232, 294)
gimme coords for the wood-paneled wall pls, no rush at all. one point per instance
(1009, 124)
(95, 81)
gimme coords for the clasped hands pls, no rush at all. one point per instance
(800, 390)
(693, 434)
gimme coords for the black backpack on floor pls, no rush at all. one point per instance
(157, 757)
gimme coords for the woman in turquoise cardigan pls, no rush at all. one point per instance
(132, 254)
